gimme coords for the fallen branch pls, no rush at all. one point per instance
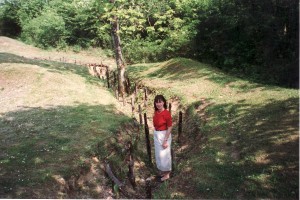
(112, 176)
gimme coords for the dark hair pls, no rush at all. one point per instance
(159, 98)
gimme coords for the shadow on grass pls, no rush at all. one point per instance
(249, 152)
(53, 66)
(37, 143)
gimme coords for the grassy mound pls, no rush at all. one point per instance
(52, 117)
(240, 139)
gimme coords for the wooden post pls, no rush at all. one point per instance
(148, 188)
(170, 108)
(131, 175)
(132, 105)
(173, 160)
(95, 71)
(124, 100)
(147, 139)
(135, 90)
(179, 126)
(146, 97)
(115, 79)
(140, 115)
(117, 94)
(128, 85)
(107, 77)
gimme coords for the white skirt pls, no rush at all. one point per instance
(162, 156)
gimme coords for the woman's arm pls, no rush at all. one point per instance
(168, 133)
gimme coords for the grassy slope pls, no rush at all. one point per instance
(240, 138)
(52, 115)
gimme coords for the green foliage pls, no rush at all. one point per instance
(151, 30)
(253, 38)
(46, 30)
(81, 23)
(29, 10)
(258, 39)
(9, 24)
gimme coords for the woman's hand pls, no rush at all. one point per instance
(165, 144)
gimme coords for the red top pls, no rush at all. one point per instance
(162, 120)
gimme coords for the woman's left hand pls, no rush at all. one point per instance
(165, 144)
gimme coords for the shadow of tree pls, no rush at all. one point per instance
(37, 143)
(247, 152)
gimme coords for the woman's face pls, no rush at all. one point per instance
(159, 105)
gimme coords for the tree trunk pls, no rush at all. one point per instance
(118, 53)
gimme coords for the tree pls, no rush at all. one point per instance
(118, 52)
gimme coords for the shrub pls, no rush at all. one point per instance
(46, 30)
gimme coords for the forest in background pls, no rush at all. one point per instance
(256, 39)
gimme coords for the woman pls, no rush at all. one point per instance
(162, 122)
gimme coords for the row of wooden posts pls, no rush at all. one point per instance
(148, 139)
(113, 84)
(63, 59)
(131, 174)
(108, 170)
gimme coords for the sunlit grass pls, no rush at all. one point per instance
(249, 138)
(53, 116)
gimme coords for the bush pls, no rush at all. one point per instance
(139, 50)
(46, 30)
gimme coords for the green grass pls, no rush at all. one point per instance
(36, 139)
(52, 66)
(54, 130)
(245, 146)
(243, 143)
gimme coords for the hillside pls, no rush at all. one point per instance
(58, 124)
(52, 117)
(15, 47)
(240, 139)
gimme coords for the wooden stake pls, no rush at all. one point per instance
(140, 115)
(148, 188)
(117, 94)
(179, 126)
(135, 90)
(131, 175)
(107, 77)
(146, 97)
(124, 100)
(147, 139)
(115, 79)
(170, 108)
(132, 105)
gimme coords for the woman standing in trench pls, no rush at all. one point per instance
(162, 122)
